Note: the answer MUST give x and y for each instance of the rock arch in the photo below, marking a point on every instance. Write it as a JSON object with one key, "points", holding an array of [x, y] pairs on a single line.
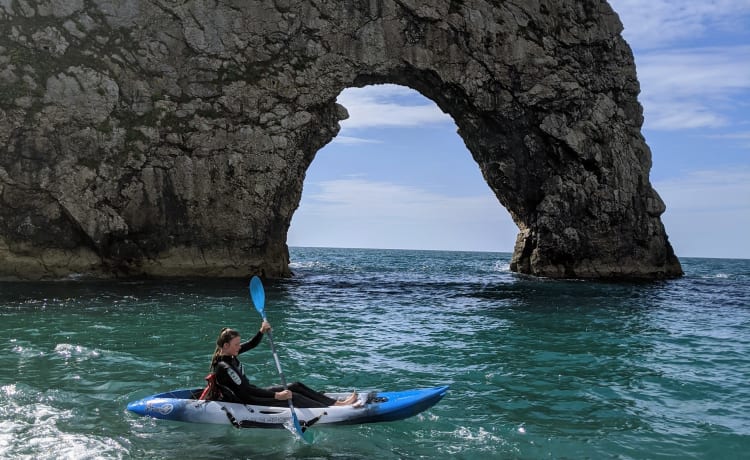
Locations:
{"points": [[172, 137]]}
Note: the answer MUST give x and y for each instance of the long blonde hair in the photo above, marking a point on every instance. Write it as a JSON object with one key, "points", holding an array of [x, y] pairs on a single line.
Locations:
{"points": [[225, 336]]}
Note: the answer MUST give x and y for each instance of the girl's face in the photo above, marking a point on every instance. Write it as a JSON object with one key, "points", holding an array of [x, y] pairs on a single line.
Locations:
{"points": [[231, 348]]}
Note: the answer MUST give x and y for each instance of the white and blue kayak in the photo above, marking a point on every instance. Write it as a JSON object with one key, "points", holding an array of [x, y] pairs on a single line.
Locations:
{"points": [[386, 406]]}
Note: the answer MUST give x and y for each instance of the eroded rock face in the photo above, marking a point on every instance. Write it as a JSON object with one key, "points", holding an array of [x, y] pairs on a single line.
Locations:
{"points": [[171, 137]]}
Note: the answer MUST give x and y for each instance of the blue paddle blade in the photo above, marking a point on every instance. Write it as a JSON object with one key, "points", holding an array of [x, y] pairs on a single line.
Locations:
{"points": [[258, 295], [297, 426]]}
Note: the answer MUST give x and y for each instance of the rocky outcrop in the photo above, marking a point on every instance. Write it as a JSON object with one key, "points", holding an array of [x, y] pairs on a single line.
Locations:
{"points": [[171, 137]]}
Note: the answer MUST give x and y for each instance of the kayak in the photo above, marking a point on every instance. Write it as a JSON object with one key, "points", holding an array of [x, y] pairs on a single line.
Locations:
{"points": [[371, 407]]}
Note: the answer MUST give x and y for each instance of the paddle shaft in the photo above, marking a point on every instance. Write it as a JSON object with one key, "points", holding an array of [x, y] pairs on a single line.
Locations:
{"points": [[283, 381], [276, 359], [258, 296]]}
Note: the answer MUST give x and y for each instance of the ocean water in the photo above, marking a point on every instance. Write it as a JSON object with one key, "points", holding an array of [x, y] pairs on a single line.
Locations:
{"points": [[537, 368]]}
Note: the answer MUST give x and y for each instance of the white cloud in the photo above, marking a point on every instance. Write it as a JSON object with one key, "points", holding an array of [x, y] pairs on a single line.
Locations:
{"points": [[700, 191], [688, 88], [358, 196], [711, 71], [742, 139], [656, 23], [741, 136], [697, 88], [667, 115], [351, 140], [383, 105], [708, 212], [361, 213]]}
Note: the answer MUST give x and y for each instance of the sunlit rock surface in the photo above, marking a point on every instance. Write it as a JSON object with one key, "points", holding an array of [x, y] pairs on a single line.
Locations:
{"points": [[171, 138]]}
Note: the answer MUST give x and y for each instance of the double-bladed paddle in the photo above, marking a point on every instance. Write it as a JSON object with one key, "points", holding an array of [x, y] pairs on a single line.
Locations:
{"points": [[259, 300]]}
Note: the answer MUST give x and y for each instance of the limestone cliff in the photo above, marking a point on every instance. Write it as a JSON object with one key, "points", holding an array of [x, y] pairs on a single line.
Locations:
{"points": [[171, 137]]}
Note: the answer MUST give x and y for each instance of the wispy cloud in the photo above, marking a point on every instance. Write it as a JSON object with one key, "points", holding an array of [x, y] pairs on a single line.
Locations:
{"points": [[696, 88], [671, 115], [741, 136], [710, 71], [351, 140], [659, 23], [388, 105], [357, 212], [689, 88], [357, 196], [708, 212], [707, 190], [740, 139]]}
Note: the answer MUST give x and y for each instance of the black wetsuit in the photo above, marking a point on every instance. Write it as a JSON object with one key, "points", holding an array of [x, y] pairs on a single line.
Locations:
{"points": [[231, 376]]}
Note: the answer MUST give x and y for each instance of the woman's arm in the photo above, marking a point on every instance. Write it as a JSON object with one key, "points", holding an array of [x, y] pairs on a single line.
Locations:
{"points": [[255, 341], [252, 343]]}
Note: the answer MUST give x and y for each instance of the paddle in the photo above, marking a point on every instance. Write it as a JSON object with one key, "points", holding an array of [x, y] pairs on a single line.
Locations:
{"points": [[259, 300]]}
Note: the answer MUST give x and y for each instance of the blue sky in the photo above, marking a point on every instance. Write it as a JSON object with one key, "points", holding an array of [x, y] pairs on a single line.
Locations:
{"points": [[398, 176]]}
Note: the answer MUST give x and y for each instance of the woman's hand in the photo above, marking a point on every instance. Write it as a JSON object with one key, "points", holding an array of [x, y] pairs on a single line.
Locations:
{"points": [[283, 395], [265, 327]]}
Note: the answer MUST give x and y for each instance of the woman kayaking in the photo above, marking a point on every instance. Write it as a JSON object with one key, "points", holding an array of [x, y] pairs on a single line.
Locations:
{"points": [[233, 386]]}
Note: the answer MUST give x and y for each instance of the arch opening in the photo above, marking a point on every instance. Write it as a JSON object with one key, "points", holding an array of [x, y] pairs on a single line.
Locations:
{"points": [[398, 176]]}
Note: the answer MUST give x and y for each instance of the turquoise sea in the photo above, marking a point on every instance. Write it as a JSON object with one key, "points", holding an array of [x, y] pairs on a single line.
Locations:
{"points": [[537, 368]]}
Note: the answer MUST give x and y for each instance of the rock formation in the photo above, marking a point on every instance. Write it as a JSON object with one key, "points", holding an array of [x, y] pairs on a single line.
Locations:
{"points": [[171, 137]]}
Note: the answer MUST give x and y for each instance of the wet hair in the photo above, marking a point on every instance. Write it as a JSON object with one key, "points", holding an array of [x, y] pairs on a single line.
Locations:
{"points": [[225, 336]]}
